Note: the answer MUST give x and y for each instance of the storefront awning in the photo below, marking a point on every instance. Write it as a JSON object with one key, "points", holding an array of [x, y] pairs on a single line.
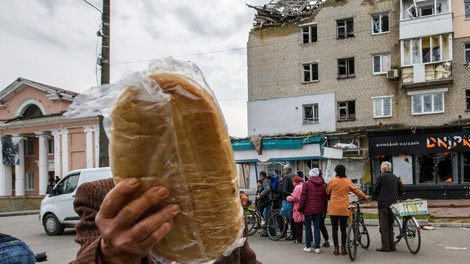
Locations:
{"points": [[305, 152]]}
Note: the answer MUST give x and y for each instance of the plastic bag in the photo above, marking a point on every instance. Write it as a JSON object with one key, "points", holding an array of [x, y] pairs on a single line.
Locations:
{"points": [[286, 208], [166, 128]]}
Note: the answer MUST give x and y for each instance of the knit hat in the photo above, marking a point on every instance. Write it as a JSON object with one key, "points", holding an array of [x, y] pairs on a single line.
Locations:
{"points": [[297, 179], [314, 172], [287, 166]]}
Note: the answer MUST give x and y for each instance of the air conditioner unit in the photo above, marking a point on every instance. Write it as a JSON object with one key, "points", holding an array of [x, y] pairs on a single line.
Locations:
{"points": [[392, 74]]}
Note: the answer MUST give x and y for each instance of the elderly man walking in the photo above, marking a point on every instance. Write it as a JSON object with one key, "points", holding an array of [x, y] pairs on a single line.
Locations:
{"points": [[387, 189]]}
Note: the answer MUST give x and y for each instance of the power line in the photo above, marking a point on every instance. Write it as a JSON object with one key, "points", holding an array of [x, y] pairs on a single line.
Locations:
{"points": [[93, 6]]}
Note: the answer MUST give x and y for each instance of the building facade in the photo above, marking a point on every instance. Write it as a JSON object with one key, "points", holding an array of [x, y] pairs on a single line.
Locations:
{"points": [[396, 68], [38, 143]]}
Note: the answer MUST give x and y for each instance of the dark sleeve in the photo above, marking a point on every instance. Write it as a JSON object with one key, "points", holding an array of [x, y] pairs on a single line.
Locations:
{"points": [[87, 203], [377, 187], [303, 198], [401, 189], [241, 255]]}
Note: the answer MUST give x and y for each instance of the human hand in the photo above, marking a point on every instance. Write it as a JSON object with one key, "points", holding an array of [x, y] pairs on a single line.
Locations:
{"points": [[126, 238]]}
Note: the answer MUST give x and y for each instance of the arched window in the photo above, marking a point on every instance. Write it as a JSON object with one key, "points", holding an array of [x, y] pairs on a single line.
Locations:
{"points": [[32, 111]]}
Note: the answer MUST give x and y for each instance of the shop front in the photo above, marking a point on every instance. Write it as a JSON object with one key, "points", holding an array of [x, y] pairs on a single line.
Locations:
{"points": [[432, 163]]}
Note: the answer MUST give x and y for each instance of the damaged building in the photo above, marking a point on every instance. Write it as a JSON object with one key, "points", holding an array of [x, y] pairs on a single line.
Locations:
{"points": [[359, 82]]}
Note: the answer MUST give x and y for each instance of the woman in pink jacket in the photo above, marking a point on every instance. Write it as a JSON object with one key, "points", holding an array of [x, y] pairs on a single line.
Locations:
{"points": [[298, 216]]}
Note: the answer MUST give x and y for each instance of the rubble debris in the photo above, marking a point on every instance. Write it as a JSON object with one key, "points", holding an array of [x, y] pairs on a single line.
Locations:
{"points": [[278, 12]]}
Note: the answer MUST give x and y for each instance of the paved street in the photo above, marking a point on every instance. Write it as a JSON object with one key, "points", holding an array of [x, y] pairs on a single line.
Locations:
{"points": [[443, 245]]}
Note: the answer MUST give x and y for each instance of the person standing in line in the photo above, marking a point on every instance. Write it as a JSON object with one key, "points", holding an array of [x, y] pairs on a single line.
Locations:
{"points": [[264, 198], [287, 187], [323, 229], [338, 189], [313, 203], [296, 215], [386, 190]]}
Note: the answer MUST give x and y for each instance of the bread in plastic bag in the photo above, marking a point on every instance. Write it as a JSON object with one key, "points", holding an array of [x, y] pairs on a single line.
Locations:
{"points": [[166, 128]]}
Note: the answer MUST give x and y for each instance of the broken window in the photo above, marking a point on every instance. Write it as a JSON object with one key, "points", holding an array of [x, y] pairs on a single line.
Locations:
{"points": [[346, 68], [380, 23], [426, 50], [381, 63], [347, 110], [345, 28], [382, 106], [310, 72], [427, 103], [310, 113], [467, 99], [419, 8], [309, 34]]}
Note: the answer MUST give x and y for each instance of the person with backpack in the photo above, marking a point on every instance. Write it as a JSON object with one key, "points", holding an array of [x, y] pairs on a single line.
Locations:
{"points": [[264, 198], [286, 187]]}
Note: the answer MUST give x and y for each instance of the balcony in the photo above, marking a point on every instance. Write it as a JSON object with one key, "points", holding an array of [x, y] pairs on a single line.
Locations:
{"points": [[425, 17], [431, 74]]}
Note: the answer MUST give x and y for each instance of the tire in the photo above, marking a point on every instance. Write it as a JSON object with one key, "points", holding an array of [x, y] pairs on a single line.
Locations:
{"points": [[397, 229], [252, 221], [52, 225], [363, 235], [275, 226], [412, 235], [351, 241]]}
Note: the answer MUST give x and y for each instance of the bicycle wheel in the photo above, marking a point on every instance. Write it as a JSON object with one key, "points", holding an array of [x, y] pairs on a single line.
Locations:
{"points": [[363, 234], [351, 241], [275, 226], [397, 229], [412, 234], [252, 221]]}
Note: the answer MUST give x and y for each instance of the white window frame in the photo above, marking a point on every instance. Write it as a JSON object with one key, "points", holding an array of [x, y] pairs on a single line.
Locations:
{"points": [[348, 116], [384, 63], [379, 102], [303, 32], [29, 181], [379, 16], [315, 115], [348, 68], [466, 56], [346, 34], [309, 71], [445, 53], [421, 96], [466, 9]]}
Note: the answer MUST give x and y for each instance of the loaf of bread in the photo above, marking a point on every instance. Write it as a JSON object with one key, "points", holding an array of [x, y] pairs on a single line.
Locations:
{"points": [[170, 132]]}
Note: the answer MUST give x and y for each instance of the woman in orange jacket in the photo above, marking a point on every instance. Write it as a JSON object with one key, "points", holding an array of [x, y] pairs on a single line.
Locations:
{"points": [[338, 189]]}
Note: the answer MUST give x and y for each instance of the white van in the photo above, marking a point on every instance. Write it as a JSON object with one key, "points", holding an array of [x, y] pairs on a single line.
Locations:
{"points": [[57, 210]]}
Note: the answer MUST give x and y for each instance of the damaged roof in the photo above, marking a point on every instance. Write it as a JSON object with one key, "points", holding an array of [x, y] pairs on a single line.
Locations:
{"points": [[278, 12]]}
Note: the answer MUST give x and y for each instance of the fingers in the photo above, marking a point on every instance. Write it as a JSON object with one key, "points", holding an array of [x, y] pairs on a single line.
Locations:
{"points": [[134, 210], [116, 198], [154, 227]]}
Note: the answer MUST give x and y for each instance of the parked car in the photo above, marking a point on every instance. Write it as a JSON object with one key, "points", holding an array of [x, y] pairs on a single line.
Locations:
{"points": [[57, 211]]}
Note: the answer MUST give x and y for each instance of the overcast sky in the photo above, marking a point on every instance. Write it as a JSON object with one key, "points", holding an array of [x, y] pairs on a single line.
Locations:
{"points": [[54, 42]]}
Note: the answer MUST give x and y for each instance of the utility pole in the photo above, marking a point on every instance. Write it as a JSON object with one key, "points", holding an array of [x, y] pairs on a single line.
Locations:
{"points": [[104, 63]]}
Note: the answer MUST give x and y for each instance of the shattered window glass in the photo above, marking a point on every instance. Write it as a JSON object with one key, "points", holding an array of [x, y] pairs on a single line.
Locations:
{"points": [[438, 102], [417, 104], [310, 113], [345, 28], [467, 9], [310, 72], [467, 99], [467, 53], [309, 34], [346, 68], [428, 103], [347, 110]]}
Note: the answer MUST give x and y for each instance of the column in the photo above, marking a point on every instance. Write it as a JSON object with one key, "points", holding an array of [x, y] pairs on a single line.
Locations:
{"points": [[89, 146], [65, 151], [43, 154], [5, 176], [97, 146], [19, 167], [57, 163]]}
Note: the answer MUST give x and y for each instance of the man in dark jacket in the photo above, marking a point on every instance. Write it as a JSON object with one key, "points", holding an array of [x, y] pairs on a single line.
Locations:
{"points": [[313, 202], [287, 187], [386, 191]]}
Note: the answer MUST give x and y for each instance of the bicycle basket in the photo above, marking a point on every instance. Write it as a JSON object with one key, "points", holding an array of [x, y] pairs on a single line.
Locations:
{"points": [[410, 207]]}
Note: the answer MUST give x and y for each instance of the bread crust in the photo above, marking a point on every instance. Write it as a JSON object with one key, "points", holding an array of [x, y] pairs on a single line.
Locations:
{"points": [[180, 141]]}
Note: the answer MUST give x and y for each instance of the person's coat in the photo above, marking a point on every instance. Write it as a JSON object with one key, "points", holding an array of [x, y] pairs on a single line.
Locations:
{"points": [[313, 198], [295, 199]]}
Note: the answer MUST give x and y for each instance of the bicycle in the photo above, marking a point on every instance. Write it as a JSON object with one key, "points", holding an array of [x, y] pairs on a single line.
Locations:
{"points": [[276, 225], [357, 230], [253, 219], [409, 229]]}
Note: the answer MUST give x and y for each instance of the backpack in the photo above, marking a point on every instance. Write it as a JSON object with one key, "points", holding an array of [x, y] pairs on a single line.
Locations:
{"points": [[274, 184]]}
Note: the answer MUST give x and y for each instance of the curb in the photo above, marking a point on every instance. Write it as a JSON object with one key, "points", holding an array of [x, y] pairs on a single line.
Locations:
{"points": [[17, 213]]}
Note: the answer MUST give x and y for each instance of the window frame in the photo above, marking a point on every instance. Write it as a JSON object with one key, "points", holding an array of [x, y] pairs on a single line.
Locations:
{"points": [[50, 146], [347, 33], [466, 9], [379, 16], [466, 53], [419, 97], [310, 71], [383, 66], [347, 107], [311, 38], [28, 147], [382, 100], [29, 181], [347, 68], [315, 114], [467, 99]]}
